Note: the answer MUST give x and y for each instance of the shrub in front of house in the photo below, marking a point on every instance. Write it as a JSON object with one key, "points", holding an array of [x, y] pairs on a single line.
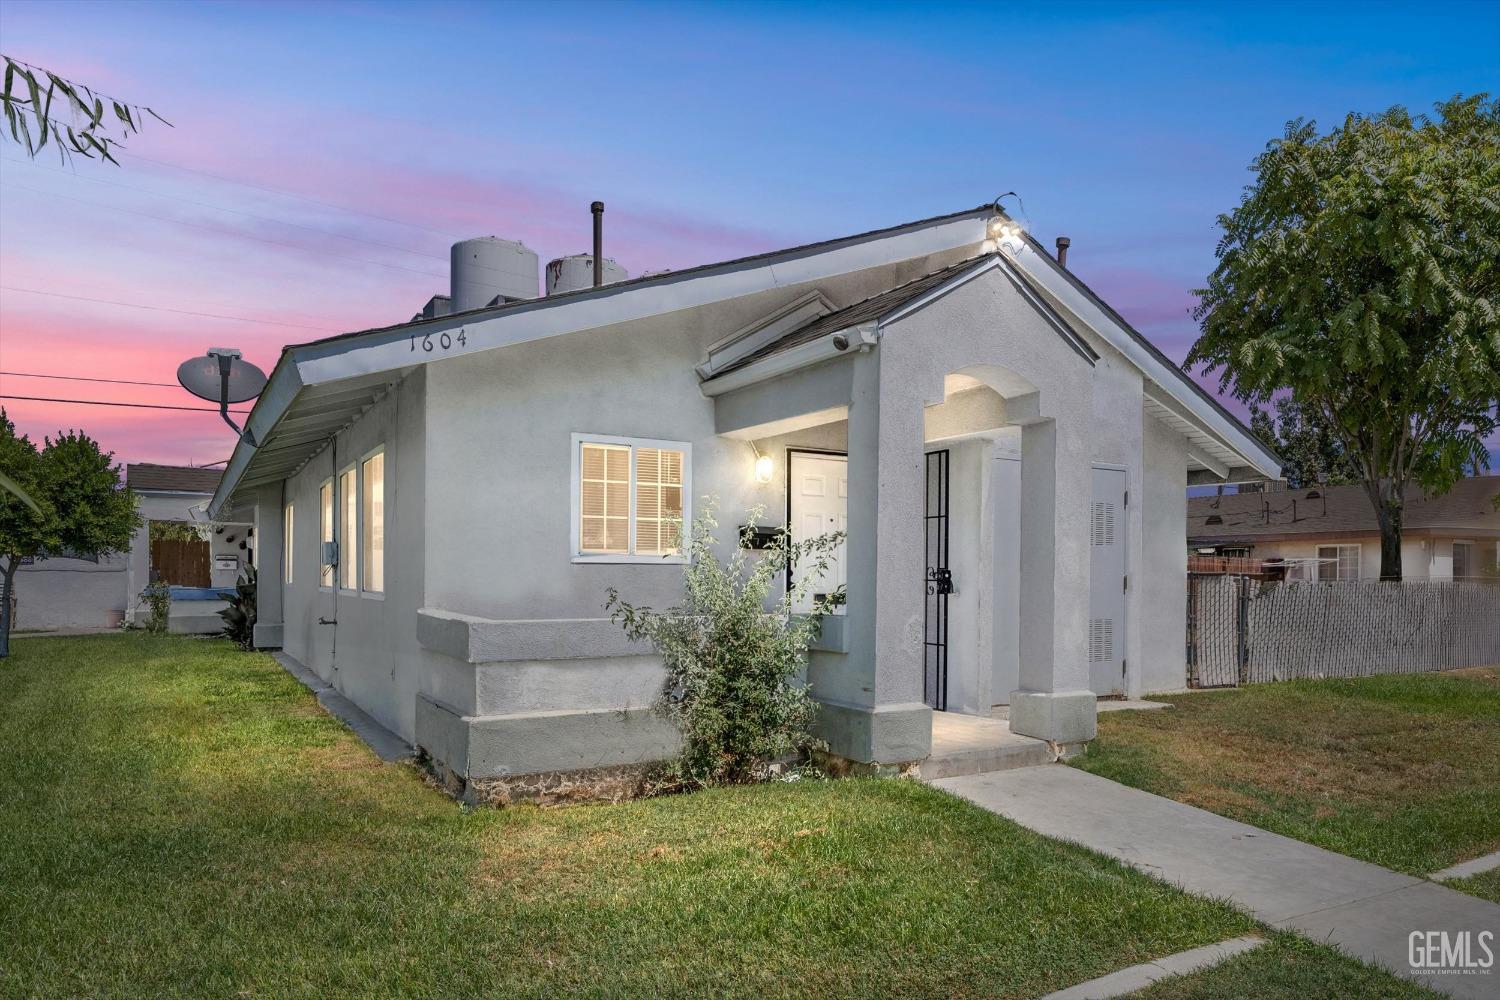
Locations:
{"points": [[239, 614], [158, 598], [734, 656]]}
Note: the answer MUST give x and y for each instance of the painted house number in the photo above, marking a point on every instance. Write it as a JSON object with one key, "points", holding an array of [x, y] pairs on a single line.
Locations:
{"points": [[445, 340]]}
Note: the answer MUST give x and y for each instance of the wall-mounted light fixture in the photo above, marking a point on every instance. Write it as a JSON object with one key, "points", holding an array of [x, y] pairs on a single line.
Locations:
{"points": [[1003, 229], [764, 467]]}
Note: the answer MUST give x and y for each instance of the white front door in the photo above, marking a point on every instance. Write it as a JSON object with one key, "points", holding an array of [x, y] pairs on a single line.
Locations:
{"points": [[1107, 583], [818, 502]]}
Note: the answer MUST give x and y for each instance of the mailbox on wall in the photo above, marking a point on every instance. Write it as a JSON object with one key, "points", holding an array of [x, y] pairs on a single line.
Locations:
{"points": [[229, 563]]}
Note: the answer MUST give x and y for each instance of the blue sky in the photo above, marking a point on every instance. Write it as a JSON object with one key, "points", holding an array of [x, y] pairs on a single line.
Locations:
{"points": [[325, 155]]}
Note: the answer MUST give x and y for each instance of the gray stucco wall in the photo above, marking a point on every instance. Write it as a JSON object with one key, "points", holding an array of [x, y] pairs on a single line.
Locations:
{"points": [[1161, 584], [69, 593], [372, 655]]}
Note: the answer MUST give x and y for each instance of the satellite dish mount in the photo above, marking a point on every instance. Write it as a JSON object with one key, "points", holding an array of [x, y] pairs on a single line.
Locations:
{"points": [[223, 376]]}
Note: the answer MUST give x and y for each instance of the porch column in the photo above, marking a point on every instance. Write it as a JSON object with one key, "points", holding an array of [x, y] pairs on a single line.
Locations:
{"points": [[1054, 701], [871, 707], [268, 551]]}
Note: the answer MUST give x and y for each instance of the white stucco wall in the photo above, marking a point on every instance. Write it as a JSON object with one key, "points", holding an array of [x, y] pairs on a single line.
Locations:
{"points": [[70, 593]]}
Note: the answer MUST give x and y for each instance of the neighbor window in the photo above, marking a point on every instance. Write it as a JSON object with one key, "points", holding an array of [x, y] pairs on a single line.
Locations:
{"points": [[630, 498], [325, 532], [348, 530], [372, 523], [1338, 562], [288, 521], [1463, 560]]}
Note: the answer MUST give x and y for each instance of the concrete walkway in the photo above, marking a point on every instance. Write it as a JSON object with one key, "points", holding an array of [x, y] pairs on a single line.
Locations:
{"points": [[386, 744], [1367, 911]]}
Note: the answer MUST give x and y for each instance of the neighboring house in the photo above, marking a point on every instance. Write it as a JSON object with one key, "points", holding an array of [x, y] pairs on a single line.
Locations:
{"points": [[99, 591], [441, 505], [1329, 532], [198, 570]]}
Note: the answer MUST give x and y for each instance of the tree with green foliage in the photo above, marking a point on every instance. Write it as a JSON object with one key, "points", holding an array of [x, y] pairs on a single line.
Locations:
{"points": [[1360, 274], [34, 99], [78, 505], [1311, 454]]}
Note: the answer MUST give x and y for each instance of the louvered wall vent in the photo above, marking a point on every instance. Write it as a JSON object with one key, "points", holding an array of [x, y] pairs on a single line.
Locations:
{"points": [[1102, 524], [1101, 640]]}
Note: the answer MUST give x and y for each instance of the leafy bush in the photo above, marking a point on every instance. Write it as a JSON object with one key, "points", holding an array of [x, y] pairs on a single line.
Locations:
{"points": [[239, 616], [734, 657], [158, 597]]}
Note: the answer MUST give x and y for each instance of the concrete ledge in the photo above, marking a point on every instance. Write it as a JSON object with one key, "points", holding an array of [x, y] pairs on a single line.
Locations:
{"points": [[1056, 716], [885, 734], [491, 640], [1464, 869], [833, 635], [264, 637], [494, 746], [387, 745]]}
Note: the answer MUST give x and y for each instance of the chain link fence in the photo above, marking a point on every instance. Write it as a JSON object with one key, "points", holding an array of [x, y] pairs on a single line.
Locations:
{"points": [[1246, 631]]}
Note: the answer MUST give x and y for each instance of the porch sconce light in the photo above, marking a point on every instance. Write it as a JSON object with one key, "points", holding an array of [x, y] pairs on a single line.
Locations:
{"points": [[763, 466]]}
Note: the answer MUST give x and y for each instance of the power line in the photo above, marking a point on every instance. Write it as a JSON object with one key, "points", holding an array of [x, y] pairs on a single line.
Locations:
{"points": [[135, 406], [83, 378], [222, 232], [224, 208], [168, 309]]}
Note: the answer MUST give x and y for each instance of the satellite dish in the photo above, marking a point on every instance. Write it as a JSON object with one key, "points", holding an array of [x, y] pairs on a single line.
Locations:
{"points": [[205, 377], [222, 376]]}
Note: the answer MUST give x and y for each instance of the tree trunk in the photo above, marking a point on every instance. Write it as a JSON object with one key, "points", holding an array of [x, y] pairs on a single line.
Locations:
{"points": [[7, 599], [1389, 509]]}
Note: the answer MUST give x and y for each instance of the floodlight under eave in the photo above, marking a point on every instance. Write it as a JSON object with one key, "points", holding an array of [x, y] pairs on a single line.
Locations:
{"points": [[222, 376]]}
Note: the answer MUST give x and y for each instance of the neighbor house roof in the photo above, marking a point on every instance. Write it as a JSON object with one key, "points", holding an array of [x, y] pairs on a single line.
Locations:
{"points": [[1338, 512], [151, 478], [318, 387]]}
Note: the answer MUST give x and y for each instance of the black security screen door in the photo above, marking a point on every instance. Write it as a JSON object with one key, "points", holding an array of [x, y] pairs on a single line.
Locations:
{"points": [[938, 581]]}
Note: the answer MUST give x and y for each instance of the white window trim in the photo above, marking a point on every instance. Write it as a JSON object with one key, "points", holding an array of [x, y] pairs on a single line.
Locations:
{"points": [[359, 517], [288, 540], [1337, 556], [332, 483], [338, 529], [575, 542]]}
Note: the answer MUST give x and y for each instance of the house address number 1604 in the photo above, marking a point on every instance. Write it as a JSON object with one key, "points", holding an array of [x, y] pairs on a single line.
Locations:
{"points": [[445, 340]]}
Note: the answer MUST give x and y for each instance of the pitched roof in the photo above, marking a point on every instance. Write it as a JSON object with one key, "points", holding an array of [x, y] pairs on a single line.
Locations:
{"points": [[1336, 511], [171, 478], [863, 311]]}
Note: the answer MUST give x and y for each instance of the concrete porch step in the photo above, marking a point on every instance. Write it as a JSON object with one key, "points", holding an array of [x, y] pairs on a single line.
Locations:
{"points": [[969, 744]]}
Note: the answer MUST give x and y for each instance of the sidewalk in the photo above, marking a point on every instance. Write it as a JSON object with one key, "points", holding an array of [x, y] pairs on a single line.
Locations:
{"points": [[1367, 911]]}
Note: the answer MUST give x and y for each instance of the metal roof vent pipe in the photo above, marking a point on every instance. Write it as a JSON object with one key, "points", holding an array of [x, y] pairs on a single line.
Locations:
{"points": [[1062, 251], [598, 209]]}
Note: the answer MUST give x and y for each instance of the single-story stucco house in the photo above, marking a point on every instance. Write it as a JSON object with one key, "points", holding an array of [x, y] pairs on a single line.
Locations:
{"points": [[1330, 533], [442, 504]]}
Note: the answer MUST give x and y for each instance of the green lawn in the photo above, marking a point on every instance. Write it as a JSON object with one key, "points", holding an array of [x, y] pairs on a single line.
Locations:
{"points": [[1402, 771], [180, 819], [1288, 968]]}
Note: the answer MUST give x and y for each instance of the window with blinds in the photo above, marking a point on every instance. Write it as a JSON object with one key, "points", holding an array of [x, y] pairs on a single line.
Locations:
{"points": [[630, 497], [325, 532], [348, 529]]}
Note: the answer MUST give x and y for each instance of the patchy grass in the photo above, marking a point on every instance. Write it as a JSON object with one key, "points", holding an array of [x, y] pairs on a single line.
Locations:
{"points": [[1485, 885], [1402, 770], [1288, 968], [178, 819]]}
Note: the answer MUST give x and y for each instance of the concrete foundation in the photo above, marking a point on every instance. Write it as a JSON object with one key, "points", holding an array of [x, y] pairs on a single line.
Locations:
{"points": [[886, 734], [1055, 716]]}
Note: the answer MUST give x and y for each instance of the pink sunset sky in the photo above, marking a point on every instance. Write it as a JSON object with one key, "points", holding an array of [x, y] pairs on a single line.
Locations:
{"points": [[325, 156]]}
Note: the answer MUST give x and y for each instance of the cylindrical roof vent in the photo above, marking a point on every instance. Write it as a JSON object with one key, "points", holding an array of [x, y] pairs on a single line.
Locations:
{"points": [[567, 274], [489, 268]]}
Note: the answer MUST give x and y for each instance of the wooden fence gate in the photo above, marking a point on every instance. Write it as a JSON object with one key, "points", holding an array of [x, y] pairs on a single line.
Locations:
{"points": [[181, 561], [1245, 631]]}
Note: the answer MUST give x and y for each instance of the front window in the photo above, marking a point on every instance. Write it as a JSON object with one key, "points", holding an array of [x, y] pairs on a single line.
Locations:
{"points": [[1338, 562], [1463, 560], [288, 520], [348, 530], [372, 523], [630, 498]]}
